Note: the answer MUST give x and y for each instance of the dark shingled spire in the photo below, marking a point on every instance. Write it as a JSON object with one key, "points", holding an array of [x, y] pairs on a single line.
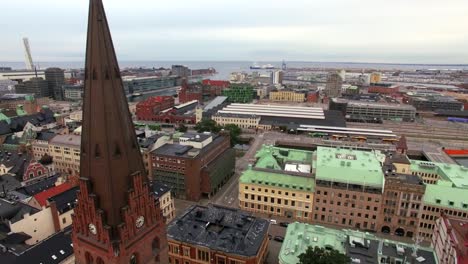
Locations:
{"points": [[109, 148]]}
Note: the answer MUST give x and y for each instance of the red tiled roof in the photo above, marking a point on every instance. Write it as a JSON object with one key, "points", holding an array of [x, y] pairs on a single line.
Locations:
{"points": [[456, 151], [42, 197]]}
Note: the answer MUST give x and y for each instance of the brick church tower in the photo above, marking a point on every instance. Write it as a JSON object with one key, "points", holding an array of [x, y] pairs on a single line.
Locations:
{"points": [[117, 219]]}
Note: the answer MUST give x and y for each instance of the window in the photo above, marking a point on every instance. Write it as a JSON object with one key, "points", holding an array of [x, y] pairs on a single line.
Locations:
{"points": [[203, 255], [64, 220]]}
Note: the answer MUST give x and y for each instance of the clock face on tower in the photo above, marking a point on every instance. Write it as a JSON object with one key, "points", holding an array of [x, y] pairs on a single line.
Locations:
{"points": [[139, 221], [92, 229]]}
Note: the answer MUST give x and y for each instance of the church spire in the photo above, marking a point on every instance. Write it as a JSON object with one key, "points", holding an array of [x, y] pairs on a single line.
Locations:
{"points": [[110, 152], [117, 219]]}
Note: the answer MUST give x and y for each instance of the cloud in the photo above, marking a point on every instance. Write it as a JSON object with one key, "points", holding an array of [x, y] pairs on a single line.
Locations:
{"points": [[334, 30]]}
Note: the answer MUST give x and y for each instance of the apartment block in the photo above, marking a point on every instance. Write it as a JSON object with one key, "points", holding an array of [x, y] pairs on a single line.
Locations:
{"points": [[450, 241], [65, 151]]}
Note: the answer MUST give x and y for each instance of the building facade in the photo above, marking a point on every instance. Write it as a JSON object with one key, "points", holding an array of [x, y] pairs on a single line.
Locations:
{"points": [[287, 96], [216, 234], [150, 108], [239, 93], [349, 188], [450, 240], [280, 183], [55, 78], [197, 166], [36, 86], [65, 152], [333, 86], [163, 194]]}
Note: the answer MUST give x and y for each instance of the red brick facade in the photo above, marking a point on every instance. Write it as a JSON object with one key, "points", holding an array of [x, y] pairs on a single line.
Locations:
{"points": [[34, 170], [216, 83], [312, 97], [151, 107], [171, 117], [195, 181], [146, 243], [184, 253], [383, 89]]}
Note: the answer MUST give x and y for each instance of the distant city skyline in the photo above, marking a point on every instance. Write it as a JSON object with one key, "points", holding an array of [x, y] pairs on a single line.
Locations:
{"points": [[207, 30]]}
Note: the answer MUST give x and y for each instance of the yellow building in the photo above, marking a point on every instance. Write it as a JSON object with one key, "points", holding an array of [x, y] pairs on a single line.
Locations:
{"points": [[287, 96], [280, 184], [242, 121], [65, 151], [375, 77]]}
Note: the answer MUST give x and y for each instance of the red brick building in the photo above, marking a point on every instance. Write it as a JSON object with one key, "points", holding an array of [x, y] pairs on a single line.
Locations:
{"points": [[216, 234], [150, 108], [312, 97], [198, 165], [216, 83], [383, 88]]}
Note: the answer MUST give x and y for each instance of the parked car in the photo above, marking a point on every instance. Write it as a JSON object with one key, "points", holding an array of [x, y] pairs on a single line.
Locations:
{"points": [[279, 238], [273, 221], [284, 224]]}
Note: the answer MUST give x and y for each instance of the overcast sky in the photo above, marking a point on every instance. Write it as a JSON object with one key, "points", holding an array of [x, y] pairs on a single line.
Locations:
{"points": [[406, 31]]}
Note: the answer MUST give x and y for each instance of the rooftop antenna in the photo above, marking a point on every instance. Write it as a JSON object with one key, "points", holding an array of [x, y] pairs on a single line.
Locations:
{"points": [[27, 51]]}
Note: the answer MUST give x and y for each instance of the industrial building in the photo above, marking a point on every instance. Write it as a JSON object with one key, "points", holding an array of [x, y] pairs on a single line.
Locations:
{"points": [[432, 101], [266, 117], [216, 234], [361, 111], [145, 84], [360, 247], [280, 183]]}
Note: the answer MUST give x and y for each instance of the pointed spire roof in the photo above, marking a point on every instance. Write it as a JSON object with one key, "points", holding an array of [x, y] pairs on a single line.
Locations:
{"points": [[402, 145], [109, 148]]}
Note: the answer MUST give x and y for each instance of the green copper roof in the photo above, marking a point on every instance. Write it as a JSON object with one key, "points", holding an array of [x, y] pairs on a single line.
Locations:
{"points": [[5, 118], [300, 236], [454, 173], [278, 180], [270, 157], [444, 194], [350, 166]]}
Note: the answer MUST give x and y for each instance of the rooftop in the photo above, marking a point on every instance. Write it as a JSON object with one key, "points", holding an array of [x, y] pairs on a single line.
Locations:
{"points": [[215, 102], [361, 247], [274, 111], [66, 200], [186, 151], [270, 157], [443, 194], [350, 166], [159, 189], [66, 140], [14, 211], [457, 174], [220, 228], [42, 197], [278, 180]]}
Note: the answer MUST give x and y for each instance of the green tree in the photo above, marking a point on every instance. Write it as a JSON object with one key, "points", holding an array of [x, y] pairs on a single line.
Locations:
{"points": [[207, 125], [234, 133], [182, 128], [154, 127], [320, 255]]}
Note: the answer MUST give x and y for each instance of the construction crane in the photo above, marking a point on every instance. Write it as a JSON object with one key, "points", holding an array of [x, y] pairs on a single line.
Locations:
{"points": [[27, 51]]}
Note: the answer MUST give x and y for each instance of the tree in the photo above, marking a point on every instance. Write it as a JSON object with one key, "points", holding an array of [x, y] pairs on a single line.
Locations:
{"points": [[154, 127], [207, 125], [182, 128], [320, 255], [234, 132]]}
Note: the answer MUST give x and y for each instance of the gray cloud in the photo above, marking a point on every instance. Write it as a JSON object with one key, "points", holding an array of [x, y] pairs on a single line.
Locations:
{"points": [[417, 31]]}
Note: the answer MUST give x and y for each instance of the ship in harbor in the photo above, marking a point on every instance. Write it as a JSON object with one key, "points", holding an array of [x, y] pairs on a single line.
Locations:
{"points": [[255, 66]]}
